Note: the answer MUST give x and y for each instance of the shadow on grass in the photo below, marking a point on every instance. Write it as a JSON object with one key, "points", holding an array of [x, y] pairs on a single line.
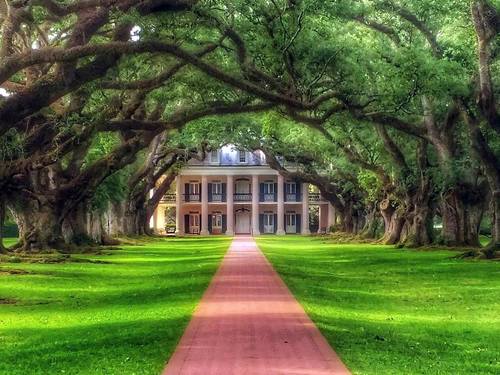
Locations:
{"points": [[388, 311], [119, 318], [77, 349]]}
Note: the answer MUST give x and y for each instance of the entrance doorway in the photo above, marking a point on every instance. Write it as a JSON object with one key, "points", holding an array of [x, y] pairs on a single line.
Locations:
{"points": [[291, 223], [268, 223], [242, 222], [194, 223]]}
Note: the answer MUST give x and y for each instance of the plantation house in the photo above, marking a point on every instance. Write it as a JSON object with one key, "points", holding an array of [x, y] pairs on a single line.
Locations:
{"points": [[235, 192]]}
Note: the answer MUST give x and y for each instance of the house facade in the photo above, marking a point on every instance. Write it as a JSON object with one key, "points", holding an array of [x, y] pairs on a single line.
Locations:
{"points": [[235, 192]]}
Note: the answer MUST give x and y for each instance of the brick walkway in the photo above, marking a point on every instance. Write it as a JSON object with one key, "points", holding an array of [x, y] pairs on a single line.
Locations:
{"points": [[249, 323]]}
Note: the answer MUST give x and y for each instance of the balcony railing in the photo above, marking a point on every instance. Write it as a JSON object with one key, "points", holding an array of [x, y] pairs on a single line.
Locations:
{"points": [[292, 198], [242, 197], [169, 197], [315, 197], [268, 197], [192, 198], [217, 198]]}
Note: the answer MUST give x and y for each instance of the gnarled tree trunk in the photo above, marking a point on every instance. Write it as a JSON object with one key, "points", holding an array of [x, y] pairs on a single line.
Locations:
{"points": [[495, 222], [40, 225], [372, 223], [394, 220], [347, 220], [3, 250], [420, 220], [462, 210]]}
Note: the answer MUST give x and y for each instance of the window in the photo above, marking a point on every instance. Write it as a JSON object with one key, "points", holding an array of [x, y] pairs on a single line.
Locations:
{"points": [[194, 188], [214, 156], [242, 156], [242, 186], [291, 220], [269, 219], [217, 221], [291, 188], [216, 188], [268, 187]]}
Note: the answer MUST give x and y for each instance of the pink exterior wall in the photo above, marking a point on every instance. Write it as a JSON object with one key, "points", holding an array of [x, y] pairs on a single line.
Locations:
{"points": [[196, 207]]}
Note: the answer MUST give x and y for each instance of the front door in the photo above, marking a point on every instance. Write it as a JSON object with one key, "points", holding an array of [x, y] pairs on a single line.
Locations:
{"points": [[242, 223], [194, 223], [268, 223], [291, 223], [216, 223]]}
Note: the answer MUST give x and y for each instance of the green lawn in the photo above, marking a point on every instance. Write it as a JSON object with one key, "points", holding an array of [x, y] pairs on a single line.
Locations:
{"points": [[388, 311], [124, 316]]}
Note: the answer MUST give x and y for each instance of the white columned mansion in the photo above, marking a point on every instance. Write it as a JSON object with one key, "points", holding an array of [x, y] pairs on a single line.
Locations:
{"points": [[235, 192]]}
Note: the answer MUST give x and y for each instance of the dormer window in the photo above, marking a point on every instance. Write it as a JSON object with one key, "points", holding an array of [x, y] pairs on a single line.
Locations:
{"points": [[214, 156], [242, 155]]}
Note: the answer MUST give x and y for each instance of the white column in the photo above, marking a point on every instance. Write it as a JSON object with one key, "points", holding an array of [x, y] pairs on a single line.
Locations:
{"points": [[320, 214], [280, 230], [331, 216], [179, 230], [204, 206], [305, 209], [230, 205], [155, 221], [255, 205]]}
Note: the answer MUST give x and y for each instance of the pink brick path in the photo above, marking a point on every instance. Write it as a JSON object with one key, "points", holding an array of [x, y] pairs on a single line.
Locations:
{"points": [[249, 323]]}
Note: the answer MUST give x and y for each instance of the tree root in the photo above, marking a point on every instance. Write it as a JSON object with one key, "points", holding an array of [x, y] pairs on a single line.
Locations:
{"points": [[344, 237], [490, 252]]}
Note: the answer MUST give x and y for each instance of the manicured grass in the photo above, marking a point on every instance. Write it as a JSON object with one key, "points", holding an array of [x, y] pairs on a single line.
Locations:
{"points": [[388, 311], [124, 316]]}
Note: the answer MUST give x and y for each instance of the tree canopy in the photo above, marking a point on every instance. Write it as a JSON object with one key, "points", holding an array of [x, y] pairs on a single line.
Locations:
{"points": [[388, 106]]}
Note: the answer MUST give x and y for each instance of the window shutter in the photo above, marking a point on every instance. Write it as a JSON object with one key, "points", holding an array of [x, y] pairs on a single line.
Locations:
{"points": [[286, 189], [299, 223], [186, 192], [199, 190], [199, 220], [210, 192], [275, 191], [224, 185], [224, 223], [261, 189], [299, 191], [275, 222], [186, 223], [209, 223], [261, 223]]}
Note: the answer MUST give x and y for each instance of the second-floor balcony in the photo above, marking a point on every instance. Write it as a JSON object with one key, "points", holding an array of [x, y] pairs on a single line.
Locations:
{"points": [[315, 198], [192, 197], [292, 197], [268, 197], [169, 198], [217, 197], [242, 197]]}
